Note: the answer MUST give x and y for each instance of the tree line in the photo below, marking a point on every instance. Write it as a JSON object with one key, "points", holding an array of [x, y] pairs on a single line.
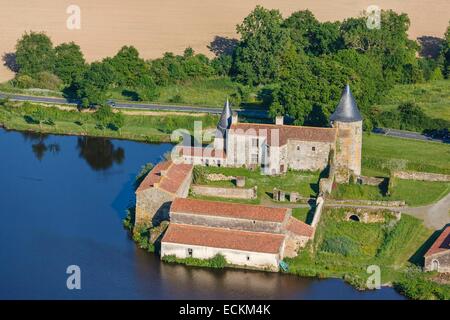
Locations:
{"points": [[298, 65]]}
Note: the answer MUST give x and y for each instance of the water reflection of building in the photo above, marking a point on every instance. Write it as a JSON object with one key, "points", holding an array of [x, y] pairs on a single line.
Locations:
{"points": [[198, 283]]}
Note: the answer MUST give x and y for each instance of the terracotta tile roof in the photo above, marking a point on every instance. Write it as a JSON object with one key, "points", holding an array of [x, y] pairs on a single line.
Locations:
{"points": [[223, 238], [299, 228], [230, 210], [441, 244], [287, 132], [200, 152], [167, 176]]}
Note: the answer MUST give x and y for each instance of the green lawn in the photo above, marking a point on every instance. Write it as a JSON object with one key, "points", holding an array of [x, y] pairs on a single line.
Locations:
{"points": [[136, 127], [380, 154], [433, 97], [389, 245], [304, 182]]}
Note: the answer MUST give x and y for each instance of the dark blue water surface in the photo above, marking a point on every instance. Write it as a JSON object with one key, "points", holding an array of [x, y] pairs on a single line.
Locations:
{"points": [[62, 202]]}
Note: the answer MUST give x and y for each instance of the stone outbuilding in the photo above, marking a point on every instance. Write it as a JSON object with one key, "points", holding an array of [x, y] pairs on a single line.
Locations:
{"points": [[437, 257], [246, 235], [160, 187]]}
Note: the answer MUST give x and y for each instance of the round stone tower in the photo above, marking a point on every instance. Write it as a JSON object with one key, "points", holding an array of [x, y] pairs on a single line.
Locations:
{"points": [[348, 121]]}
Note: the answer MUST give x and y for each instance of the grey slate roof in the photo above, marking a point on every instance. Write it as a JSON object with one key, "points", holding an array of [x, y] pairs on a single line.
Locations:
{"points": [[225, 118], [347, 110]]}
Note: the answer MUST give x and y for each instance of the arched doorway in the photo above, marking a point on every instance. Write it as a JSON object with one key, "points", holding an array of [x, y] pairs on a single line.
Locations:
{"points": [[354, 217], [434, 265]]}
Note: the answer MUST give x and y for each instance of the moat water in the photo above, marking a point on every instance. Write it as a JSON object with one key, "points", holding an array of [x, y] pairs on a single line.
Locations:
{"points": [[62, 202]]}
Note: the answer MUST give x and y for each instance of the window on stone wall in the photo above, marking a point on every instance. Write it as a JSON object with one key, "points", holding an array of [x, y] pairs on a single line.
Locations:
{"points": [[254, 158], [189, 252], [254, 142], [248, 258], [313, 148], [298, 148]]}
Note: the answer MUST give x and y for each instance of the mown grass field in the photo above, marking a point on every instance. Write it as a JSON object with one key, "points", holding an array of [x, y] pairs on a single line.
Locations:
{"points": [[390, 245], [136, 127], [380, 154], [433, 97]]}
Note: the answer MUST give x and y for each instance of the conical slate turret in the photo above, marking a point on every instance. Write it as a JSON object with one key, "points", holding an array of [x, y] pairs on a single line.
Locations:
{"points": [[225, 118], [347, 110]]}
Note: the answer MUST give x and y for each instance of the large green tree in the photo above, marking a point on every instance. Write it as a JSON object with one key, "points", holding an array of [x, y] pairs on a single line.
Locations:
{"points": [[96, 80], [310, 87], [130, 70], [34, 53], [69, 62], [311, 36], [390, 43], [263, 39], [445, 53]]}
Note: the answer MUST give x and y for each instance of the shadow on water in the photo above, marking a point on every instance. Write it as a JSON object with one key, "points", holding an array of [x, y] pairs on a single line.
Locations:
{"points": [[99, 153]]}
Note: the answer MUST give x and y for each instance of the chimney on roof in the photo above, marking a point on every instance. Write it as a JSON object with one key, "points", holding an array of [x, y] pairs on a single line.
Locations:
{"points": [[279, 120], [163, 173], [234, 118]]}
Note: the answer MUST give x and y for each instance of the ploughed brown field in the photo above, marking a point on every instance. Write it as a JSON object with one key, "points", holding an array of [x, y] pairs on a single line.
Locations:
{"points": [[157, 26]]}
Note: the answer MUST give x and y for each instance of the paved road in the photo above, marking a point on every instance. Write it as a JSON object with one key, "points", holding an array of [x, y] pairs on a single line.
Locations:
{"points": [[405, 134], [138, 106], [244, 112]]}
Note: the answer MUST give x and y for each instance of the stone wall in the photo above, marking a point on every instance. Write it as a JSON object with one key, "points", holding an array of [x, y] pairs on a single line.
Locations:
{"points": [[227, 223], [367, 203], [307, 155], [235, 193], [370, 181], [318, 212], [152, 206], [422, 176], [442, 259]]}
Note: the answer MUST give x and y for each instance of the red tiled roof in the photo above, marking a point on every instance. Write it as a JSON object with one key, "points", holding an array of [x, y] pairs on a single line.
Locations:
{"points": [[200, 152], [223, 238], [287, 132], [226, 209], [299, 228], [441, 244], [170, 181]]}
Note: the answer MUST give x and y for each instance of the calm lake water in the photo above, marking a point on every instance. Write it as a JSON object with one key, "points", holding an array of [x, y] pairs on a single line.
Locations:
{"points": [[62, 202]]}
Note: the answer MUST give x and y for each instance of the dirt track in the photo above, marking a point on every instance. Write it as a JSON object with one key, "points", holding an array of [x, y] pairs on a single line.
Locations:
{"points": [[157, 26]]}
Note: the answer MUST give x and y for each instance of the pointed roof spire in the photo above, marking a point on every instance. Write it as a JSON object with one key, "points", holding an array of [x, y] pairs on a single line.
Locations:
{"points": [[347, 110], [225, 118]]}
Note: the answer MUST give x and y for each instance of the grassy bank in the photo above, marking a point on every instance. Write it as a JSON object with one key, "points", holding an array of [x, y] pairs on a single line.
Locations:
{"points": [[433, 97], [414, 193], [135, 127], [344, 249]]}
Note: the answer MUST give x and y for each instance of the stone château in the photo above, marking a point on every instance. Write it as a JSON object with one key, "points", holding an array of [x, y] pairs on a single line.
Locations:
{"points": [[247, 235]]}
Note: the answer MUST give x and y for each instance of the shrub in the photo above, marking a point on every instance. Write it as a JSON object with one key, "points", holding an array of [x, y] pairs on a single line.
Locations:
{"points": [[218, 261], [145, 169], [341, 245], [417, 285], [199, 175]]}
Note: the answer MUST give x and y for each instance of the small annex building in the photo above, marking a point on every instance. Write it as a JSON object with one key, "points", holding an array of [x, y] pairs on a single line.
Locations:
{"points": [[247, 235], [160, 187], [437, 258]]}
